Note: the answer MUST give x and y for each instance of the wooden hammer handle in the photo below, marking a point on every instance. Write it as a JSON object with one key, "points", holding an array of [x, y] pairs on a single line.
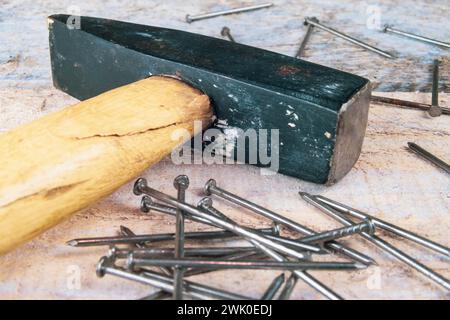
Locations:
{"points": [[65, 161]]}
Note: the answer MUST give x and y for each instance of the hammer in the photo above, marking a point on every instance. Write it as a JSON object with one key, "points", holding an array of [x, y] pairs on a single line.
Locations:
{"points": [[140, 84]]}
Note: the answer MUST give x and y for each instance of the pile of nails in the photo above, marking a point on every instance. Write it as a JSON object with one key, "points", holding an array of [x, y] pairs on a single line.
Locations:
{"points": [[168, 268]]}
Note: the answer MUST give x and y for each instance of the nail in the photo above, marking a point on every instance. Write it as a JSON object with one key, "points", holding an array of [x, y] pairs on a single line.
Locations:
{"points": [[235, 256], [272, 290], [388, 28], [435, 110], [208, 15], [348, 38], [429, 156], [212, 293], [141, 185], [132, 262], [288, 287], [307, 278], [386, 225], [196, 291], [191, 252], [181, 183], [108, 241], [147, 204], [212, 188], [206, 205], [306, 37], [366, 226], [225, 32], [407, 104], [127, 232], [381, 243]]}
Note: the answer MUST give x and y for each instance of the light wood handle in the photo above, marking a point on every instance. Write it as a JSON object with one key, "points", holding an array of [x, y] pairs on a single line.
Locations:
{"points": [[65, 161]]}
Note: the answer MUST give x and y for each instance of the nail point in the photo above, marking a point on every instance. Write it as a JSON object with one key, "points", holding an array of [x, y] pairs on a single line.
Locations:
{"points": [[72, 243]]}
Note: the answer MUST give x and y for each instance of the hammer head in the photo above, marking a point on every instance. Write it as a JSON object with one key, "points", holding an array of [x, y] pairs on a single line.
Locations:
{"points": [[320, 113]]}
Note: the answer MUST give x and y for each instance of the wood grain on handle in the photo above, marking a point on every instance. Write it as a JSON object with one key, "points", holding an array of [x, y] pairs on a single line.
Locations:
{"points": [[65, 161]]}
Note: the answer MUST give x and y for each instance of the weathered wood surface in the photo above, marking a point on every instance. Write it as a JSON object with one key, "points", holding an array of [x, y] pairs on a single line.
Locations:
{"points": [[387, 181], [280, 28]]}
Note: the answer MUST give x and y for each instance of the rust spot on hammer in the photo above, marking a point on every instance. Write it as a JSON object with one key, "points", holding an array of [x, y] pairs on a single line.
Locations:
{"points": [[288, 70]]}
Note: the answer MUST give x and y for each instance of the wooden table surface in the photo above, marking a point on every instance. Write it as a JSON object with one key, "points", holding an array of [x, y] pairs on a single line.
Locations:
{"points": [[388, 181]]}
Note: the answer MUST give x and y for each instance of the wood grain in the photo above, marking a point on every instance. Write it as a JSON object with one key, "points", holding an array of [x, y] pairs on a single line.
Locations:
{"points": [[67, 160]]}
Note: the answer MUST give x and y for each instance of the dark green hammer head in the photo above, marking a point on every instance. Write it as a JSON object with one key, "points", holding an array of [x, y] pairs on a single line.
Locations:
{"points": [[320, 113]]}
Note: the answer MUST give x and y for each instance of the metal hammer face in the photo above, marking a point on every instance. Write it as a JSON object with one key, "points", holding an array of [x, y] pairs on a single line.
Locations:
{"points": [[320, 113]]}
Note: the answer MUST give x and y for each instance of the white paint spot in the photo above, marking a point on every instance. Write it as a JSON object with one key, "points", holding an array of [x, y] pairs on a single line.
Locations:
{"points": [[233, 97], [222, 122], [292, 125], [292, 114]]}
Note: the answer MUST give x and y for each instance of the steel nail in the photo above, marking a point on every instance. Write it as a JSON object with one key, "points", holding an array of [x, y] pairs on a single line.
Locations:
{"points": [[365, 226], [273, 288], [127, 232], [387, 247], [388, 28], [385, 225], [141, 185], [307, 278], [288, 287], [148, 204], [108, 241], [348, 38], [206, 204], [181, 183], [190, 286], [429, 156], [407, 104], [202, 16], [306, 37], [190, 252], [226, 32], [196, 291], [133, 262], [212, 188], [234, 256], [435, 110]]}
